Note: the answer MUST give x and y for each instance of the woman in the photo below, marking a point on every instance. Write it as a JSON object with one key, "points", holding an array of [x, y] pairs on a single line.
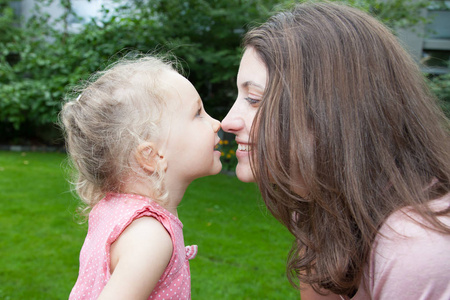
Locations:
{"points": [[335, 123]]}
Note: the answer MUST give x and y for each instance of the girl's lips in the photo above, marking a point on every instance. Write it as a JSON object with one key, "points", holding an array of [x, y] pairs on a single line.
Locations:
{"points": [[216, 146]]}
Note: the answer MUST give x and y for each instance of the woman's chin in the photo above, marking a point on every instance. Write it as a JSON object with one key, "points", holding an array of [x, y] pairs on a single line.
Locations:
{"points": [[244, 173]]}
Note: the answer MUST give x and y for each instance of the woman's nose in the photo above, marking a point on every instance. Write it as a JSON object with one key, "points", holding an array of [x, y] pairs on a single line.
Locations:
{"points": [[232, 122]]}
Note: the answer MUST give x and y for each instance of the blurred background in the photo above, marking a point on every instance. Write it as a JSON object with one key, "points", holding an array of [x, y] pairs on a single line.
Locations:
{"points": [[48, 46]]}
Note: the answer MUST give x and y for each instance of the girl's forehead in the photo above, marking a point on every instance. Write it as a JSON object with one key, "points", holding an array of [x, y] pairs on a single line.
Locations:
{"points": [[179, 89]]}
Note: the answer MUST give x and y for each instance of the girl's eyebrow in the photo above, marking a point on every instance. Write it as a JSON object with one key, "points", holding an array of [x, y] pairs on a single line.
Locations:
{"points": [[197, 104]]}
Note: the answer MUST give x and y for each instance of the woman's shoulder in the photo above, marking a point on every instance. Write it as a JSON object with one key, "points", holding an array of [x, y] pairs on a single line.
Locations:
{"points": [[407, 222], [409, 258]]}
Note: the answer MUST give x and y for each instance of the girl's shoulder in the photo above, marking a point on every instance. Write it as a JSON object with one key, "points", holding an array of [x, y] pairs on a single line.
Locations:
{"points": [[130, 204], [116, 211]]}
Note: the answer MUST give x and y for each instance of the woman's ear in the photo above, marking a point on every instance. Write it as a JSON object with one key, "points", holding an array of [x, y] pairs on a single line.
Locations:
{"points": [[149, 158]]}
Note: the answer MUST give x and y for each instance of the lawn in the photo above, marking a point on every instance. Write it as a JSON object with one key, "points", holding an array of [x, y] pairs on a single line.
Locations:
{"points": [[242, 249]]}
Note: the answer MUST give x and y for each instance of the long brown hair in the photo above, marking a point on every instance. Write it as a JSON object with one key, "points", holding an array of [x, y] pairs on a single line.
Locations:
{"points": [[347, 115]]}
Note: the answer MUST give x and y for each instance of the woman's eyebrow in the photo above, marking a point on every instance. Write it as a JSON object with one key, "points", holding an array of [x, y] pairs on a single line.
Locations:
{"points": [[252, 83]]}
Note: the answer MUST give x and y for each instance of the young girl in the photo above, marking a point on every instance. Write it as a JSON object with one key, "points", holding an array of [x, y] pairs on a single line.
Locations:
{"points": [[138, 135], [351, 153]]}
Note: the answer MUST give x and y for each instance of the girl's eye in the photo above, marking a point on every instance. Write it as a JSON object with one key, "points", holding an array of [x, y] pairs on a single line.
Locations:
{"points": [[252, 100], [199, 111]]}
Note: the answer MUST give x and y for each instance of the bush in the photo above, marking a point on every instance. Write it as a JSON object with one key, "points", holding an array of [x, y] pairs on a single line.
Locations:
{"points": [[39, 64], [228, 154], [440, 86]]}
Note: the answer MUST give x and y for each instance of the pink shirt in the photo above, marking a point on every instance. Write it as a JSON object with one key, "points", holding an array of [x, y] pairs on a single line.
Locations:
{"points": [[107, 220], [409, 261]]}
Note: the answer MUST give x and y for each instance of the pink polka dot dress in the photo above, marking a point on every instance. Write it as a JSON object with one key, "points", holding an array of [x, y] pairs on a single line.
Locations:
{"points": [[107, 220]]}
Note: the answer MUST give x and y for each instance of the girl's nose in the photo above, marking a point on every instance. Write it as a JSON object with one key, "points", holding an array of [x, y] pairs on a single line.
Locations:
{"points": [[215, 125]]}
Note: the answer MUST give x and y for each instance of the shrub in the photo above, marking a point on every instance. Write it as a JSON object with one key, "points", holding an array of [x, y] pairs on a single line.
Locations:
{"points": [[39, 64], [440, 85], [228, 154]]}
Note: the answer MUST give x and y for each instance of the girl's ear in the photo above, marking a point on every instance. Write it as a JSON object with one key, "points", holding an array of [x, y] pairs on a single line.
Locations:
{"points": [[149, 158]]}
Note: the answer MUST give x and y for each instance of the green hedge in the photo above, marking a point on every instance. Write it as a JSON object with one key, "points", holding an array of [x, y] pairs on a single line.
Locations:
{"points": [[39, 65]]}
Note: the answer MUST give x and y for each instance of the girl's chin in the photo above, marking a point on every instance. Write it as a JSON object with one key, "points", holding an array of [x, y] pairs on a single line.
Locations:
{"points": [[216, 168]]}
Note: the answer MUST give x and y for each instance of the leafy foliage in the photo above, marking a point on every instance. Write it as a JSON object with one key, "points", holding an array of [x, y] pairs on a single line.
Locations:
{"points": [[205, 35], [42, 60], [440, 85]]}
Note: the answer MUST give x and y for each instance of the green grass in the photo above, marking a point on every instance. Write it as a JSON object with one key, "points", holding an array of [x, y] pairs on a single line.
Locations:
{"points": [[242, 249]]}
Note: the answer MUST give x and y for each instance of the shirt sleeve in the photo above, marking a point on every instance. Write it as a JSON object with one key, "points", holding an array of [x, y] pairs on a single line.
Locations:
{"points": [[410, 261]]}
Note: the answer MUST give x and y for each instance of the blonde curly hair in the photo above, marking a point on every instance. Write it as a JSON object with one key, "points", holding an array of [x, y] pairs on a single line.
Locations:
{"points": [[114, 111]]}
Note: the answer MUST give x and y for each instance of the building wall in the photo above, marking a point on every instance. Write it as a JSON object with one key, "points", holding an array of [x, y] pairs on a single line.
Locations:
{"points": [[83, 8], [430, 44]]}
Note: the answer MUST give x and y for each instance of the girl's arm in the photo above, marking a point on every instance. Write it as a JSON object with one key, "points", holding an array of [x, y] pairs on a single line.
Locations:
{"points": [[138, 259]]}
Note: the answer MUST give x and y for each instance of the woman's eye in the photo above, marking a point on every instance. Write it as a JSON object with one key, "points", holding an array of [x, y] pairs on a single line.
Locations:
{"points": [[199, 111], [252, 100]]}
